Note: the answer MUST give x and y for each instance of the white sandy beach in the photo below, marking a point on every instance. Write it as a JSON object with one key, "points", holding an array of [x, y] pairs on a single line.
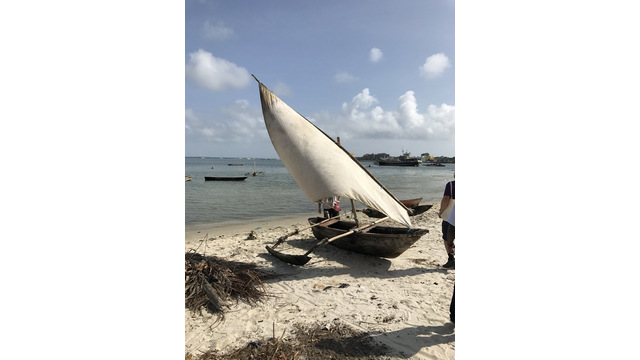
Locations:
{"points": [[401, 302]]}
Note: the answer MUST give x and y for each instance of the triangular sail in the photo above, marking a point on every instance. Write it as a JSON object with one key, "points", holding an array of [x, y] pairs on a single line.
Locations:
{"points": [[321, 167]]}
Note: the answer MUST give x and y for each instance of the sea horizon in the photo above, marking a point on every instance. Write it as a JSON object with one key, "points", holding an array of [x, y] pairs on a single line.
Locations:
{"points": [[273, 193]]}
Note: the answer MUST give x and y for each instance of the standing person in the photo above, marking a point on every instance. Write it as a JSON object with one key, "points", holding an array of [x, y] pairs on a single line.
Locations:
{"points": [[446, 204], [451, 229], [331, 206], [451, 237]]}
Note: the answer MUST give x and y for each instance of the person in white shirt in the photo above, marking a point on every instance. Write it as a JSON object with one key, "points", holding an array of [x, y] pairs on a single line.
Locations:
{"points": [[447, 202], [330, 205], [451, 236]]}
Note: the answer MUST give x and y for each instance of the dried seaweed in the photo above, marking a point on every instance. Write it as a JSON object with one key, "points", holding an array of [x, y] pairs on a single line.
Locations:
{"points": [[211, 282], [319, 341]]}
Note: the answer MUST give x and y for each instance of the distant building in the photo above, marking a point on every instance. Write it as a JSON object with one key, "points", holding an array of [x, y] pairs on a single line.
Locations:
{"points": [[425, 157]]}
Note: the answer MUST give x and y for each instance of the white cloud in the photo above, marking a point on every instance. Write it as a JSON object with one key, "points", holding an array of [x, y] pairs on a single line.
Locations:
{"points": [[362, 118], [409, 116], [375, 55], [363, 100], [214, 73], [442, 120], [243, 120], [217, 32], [435, 65], [240, 122], [189, 118], [344, 77]]}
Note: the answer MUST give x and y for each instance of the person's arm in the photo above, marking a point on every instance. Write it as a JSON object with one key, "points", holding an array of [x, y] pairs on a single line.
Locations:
{"points": [[443, 204]]}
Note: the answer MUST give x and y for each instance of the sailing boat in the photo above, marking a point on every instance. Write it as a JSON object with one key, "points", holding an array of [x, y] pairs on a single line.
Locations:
{"points": [[318, 164], [255, 171]]}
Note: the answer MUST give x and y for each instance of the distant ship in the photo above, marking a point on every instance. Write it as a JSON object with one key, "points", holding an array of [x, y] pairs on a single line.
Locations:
{"points": [[404, 160], [433, 164]]}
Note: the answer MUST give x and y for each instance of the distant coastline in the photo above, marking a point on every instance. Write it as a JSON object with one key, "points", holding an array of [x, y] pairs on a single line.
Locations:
{"points": [[366, 157], [425, 157], [229, 158]]}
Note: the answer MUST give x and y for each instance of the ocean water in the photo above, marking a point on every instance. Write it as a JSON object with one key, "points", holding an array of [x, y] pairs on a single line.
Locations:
{"points": [[274, 193]]}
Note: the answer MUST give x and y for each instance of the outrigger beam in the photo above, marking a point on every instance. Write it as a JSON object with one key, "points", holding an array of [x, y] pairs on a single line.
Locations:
{"points": [[297, 231], [303, 259]]}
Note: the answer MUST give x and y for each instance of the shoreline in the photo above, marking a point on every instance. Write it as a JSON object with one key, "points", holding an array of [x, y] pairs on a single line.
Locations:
{"points": [[233, 227], [401, 302]]}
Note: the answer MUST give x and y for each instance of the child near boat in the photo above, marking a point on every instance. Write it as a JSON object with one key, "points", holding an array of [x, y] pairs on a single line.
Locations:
{"points": [[330, 205]]}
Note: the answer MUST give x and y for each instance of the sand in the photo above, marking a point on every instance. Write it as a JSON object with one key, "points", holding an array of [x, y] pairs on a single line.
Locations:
{"points": [[401, 302]]}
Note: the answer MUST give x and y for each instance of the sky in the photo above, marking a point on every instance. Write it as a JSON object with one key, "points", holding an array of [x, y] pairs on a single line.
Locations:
{"points": [[378, 74]]}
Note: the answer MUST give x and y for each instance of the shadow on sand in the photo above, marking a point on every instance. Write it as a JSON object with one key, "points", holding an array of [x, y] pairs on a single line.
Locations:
{"points": [[413, 339], [354, 264], [406, 342]]}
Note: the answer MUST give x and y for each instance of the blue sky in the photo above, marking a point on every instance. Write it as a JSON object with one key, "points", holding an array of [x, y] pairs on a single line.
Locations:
{"points": [[378, 74]]}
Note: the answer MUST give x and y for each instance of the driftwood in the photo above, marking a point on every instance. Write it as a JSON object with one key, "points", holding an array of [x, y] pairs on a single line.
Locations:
{"points": [[211, 282]]}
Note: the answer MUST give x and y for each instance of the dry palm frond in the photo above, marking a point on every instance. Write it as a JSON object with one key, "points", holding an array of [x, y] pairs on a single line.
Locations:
{"points": [[317, 341], [210, 282]]}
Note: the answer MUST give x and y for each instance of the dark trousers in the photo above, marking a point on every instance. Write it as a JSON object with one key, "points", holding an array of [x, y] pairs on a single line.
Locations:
{"points": [[329, 213], [452, 307]]}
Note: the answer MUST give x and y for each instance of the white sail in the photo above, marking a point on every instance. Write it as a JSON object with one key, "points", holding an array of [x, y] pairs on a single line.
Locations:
{"points": [[319, 165]]}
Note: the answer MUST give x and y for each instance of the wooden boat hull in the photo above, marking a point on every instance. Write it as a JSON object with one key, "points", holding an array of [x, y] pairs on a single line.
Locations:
{"points": [[417, 210], [224, 178], [381, 241], [411, 203]]}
